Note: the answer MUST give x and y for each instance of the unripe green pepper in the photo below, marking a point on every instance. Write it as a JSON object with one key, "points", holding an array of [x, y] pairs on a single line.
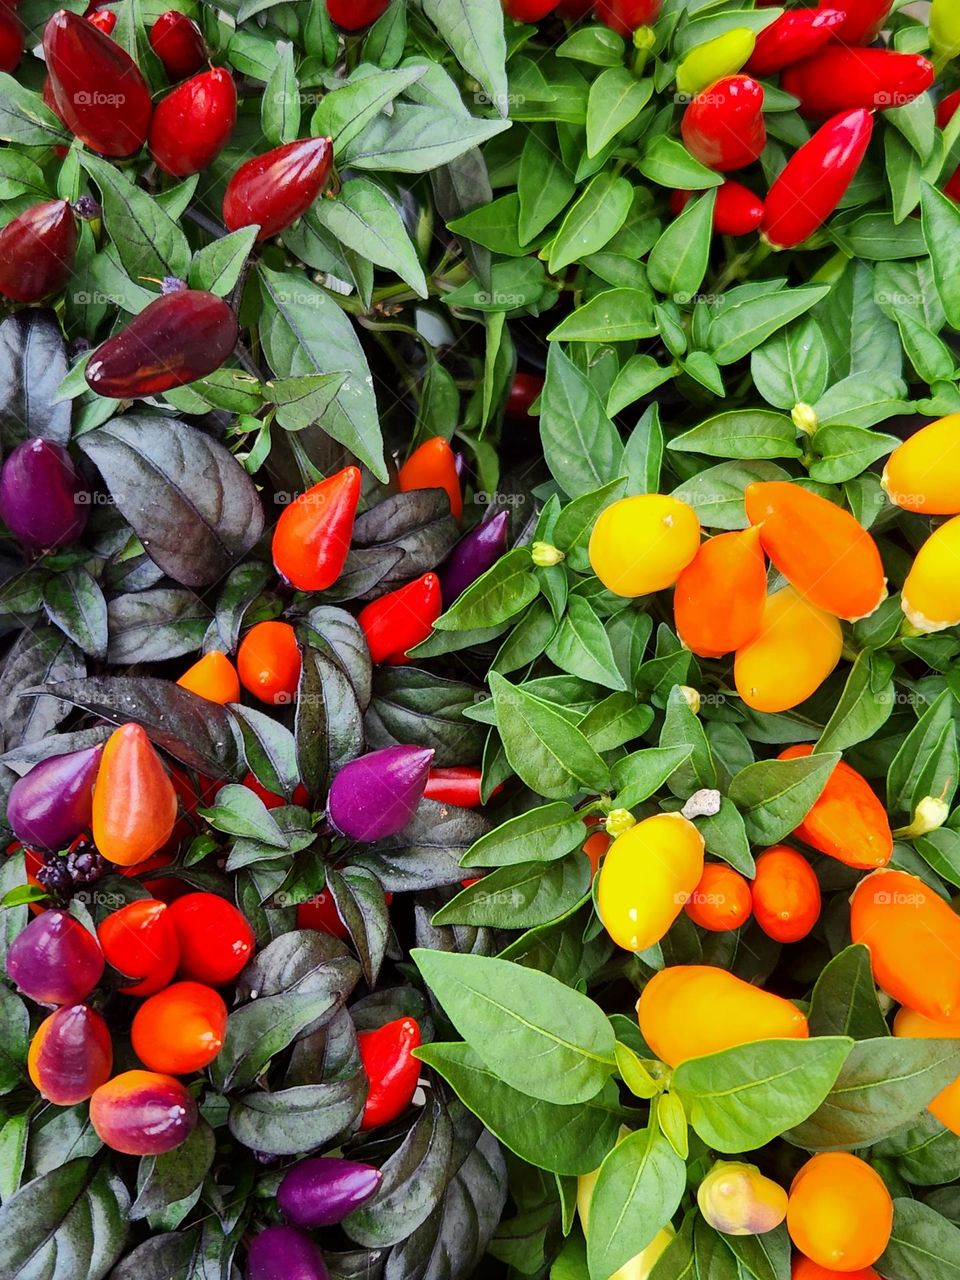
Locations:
{"points": [[945, 30], [722, 56]]}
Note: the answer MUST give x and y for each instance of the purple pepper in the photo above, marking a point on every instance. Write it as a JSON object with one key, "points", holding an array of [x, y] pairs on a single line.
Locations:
{"points": [[53, 803], [320, 1192], [43, 501], [473, 555], [282, 1253], [55, 960], [377, 795]]}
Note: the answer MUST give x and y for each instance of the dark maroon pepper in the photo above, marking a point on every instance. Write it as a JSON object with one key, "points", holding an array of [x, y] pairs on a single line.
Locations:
{"points": [[99, 91], [275, 189], [11, 39], [320, 1192], [182, 336], [53, 804], [43, 501], [37, 249], [473, 555]]}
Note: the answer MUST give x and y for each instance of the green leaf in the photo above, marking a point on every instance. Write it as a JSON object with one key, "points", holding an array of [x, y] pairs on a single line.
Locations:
{"points": [[344, 113], [567, 1140], [592, 221], [716, 494], [303, 401], [884, 1084], [25, 118], [616, 315], [75, 603], [844, 1000], [240, 812], [580, 443], [765, 1257], [792, 367], [616, 98], [571, 533], [521, 896], [638, 1190], [667, 162], [739, 328], [742, 1098], [496, 596], [923, 1244], [678, 261], [865, 704], [636, 777], [363, 219], [258, 1031], [217, 266], [280, 104], [540, 1036], [775, 796], [544, 187], [582, 647], [149, 242], [750, 433], [544, 749], [543, 834], [941, 228], [928, 741], [474, 31]]}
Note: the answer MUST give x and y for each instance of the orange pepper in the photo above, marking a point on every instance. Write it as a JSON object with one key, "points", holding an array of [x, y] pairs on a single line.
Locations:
{"points": [[786, 894], [134, 802], [722, 900], [840, 1213], [946, 1105], [269, 662], [213, 677], [433, 466], [180, 1029], [848, 821], [719, 599], [807, 1269], [312, 537], [818, 547]]}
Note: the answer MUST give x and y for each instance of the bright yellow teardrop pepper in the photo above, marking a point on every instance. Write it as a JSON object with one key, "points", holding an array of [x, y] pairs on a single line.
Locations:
{"points": [[644, 543], [645, 879], [931, 593], [738, 1200], [795, 650], [923, 473], [722, 56]]}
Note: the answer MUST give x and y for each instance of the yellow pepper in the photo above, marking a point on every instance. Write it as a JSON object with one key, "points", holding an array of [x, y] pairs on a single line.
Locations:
{"points": [[738, 1200], [931, 593], [644, 543], [923, 473], [645, 879], [722, 56], [795, 650]]}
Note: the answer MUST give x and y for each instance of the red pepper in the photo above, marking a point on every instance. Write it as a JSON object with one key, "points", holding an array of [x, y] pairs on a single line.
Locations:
{"points": [[401, 619], [574, 9], [625, 16], [815, 179], [946, 110], [181, 337], [433, 466], [723, 126], [275, 189], [11, 39], [99, 91], [737, 211], [528, 10], [864, 20], [459, 785], [104, 20], [524, 392], [312, 537], [391, 1069], [193, 124], [796, 34], [355, 15], [842, 79], [178, 43], [37, 250]]}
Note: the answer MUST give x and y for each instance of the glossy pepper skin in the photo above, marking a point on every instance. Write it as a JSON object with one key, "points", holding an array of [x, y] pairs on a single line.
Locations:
{"points": [[738, 1200], [376, 795], [283, 1253], [921, 474], [815, 179], [820, 548], [840, 1213], [178, 43], [719, 598], [863, 20], [320, 1192], [176, 339], [944, 30], [275, 189], [100, 93], [391, 1069], [721, 900], [794, 651], [786, 894], [689, 1010], [625, 16], [399, 620], [795, 35], [806, 1269], [71, 1055], [643, 543], [37, 250], [528, 10], [181, 1029], [433, 466], [312, 537], [931, 593], [848, 820], [647, 877], [841, 79], [140, 941], [356, 15], [736, 211], [141, 1113], [11, 39], [524, 392], [460, 786], [269, 662], [194, 122], [215, 939], [134, 801], [475, 553], [724, 55], [43, 501], [213, 677], [104, 20], [53, 803], [723, 126], [55, 960], [911, 932]]}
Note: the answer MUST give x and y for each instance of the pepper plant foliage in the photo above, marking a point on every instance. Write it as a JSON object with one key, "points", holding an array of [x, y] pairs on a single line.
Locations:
{"points": [[501, 199]]}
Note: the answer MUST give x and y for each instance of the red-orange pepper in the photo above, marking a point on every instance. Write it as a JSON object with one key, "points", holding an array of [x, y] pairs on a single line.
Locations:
{"points": [[401, 619], [433, 466], [391, 1069]]}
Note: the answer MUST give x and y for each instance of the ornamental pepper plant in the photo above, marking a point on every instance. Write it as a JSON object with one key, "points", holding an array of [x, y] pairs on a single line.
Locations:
{"points": [[479, 651]]}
